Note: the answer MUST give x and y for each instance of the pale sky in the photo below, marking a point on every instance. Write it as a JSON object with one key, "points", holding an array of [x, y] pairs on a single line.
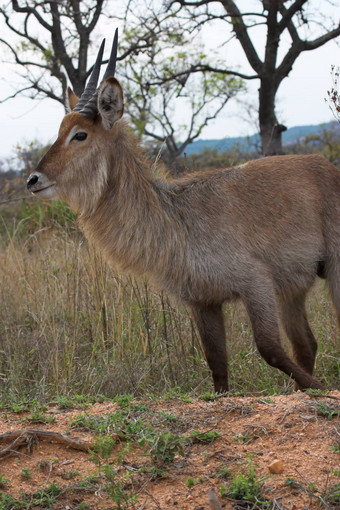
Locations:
{"points": [[300, 99]]}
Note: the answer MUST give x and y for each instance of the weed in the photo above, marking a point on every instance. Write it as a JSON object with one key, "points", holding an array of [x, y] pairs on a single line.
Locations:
{"points": [[25, 473], [69, 475], [293, 483], [204, 437], [156, 473], [3, 482], [251, 433], [37, 414], [190, 482], [70, 402], [47, 497], [89, 482], [222, 472], [123, 400], [335, 448], [164, 446], [331, 495], [171, 418], [7, 502], [102, 449], [115, 488], [246, 486], [209, 396], [326, 411]]}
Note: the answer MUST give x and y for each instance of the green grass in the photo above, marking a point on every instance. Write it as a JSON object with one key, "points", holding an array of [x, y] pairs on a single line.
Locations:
{"points": [[71, 326]]}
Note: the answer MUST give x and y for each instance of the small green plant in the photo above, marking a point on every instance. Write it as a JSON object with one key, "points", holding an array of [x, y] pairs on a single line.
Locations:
{"points": [[164, 446], [47, 497], [246, 486], [37, 414], [3, 482], [223, 472], [311, 487], [326, 411], [209, 396], [335, 448], [69, 475], [102, 449], [331, 495], [70, 402], [335, 472], [115, 488], [293, 483], [7, 502], [204, 437], [90, 482], [123, 400], [190, 482], [171, 418], [25, 473]]}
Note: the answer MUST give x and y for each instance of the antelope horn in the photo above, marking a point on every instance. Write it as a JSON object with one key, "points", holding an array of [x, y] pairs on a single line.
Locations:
{"points": [[90, 109], [92, 84]]}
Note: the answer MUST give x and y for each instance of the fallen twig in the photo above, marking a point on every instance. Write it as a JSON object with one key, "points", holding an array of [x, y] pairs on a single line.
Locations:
{"points": [[22, 438]]}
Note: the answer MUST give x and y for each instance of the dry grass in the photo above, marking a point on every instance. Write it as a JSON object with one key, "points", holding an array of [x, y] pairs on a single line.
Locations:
{"points": [[69, 324]]}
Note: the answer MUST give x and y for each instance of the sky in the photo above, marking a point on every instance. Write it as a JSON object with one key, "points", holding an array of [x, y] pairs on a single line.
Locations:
{"points": [[300, 99]]}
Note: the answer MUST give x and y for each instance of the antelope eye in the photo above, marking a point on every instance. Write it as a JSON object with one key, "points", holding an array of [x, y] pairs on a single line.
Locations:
{"points": [[80, 136]]}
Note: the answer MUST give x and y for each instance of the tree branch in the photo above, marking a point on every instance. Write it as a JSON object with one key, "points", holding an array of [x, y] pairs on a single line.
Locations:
{"points": [[242, 35]]}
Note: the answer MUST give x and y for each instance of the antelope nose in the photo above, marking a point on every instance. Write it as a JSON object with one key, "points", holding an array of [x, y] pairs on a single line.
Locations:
{"points": [[32, 180]]}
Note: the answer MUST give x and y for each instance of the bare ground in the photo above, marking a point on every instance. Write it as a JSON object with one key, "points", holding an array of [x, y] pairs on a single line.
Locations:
{"points": [[301, 431]]}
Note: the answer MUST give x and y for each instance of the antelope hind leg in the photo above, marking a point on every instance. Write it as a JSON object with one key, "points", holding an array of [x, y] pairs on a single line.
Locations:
{"points": [[262, 310]]}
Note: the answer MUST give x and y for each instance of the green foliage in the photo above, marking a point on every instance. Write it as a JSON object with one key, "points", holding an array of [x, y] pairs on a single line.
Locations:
{"points": [[102, 449], [164, 446], [246, 486], [3, 482], [190, 482], [209, 396], [223, 472], [37, 414], [43, 498], [327, 411], [331, 495], [26, 473], [72, 401], [204, 437]]}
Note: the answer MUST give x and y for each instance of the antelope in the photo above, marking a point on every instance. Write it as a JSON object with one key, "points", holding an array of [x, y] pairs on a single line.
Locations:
{"points": [[260, 232]]}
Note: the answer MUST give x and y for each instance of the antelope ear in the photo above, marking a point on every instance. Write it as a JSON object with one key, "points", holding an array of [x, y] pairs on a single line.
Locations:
{"points": [[110, 102], [72, 98]]}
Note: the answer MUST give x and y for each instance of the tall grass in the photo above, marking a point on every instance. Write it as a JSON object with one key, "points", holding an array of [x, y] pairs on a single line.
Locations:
{"points": [[70, 324]]}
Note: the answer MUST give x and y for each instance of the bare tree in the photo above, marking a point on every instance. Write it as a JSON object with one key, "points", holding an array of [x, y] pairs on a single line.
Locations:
{"points": [[155, 111], [153, 47], [54, 40], [298, 20]]}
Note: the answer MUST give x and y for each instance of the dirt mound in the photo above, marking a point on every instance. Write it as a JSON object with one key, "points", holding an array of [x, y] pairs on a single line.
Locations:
{"points": [[274, 452]]}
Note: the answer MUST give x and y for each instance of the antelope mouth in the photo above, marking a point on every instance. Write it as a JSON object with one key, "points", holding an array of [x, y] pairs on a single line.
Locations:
{"points": [[49, 191], [35, 191]]}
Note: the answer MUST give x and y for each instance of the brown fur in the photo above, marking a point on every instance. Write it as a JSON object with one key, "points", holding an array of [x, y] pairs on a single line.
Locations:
{"points": [[259, 232]]}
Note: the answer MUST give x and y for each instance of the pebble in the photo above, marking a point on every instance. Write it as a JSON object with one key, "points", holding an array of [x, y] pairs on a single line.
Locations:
{"points": [[276, 467]]}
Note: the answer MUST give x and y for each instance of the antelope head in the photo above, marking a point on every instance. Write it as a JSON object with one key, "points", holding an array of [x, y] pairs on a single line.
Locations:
{"points": [[75, 168]]}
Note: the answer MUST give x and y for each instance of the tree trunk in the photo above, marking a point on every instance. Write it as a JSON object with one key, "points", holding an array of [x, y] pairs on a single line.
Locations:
{"points": [[270, 129]]}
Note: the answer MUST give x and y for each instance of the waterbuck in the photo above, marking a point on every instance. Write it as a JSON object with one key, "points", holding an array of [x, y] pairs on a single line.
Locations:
{"points": [[260, 232]]}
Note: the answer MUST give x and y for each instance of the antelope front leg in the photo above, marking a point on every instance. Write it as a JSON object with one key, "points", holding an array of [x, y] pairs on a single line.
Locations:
{"points": [[210, 324]]}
